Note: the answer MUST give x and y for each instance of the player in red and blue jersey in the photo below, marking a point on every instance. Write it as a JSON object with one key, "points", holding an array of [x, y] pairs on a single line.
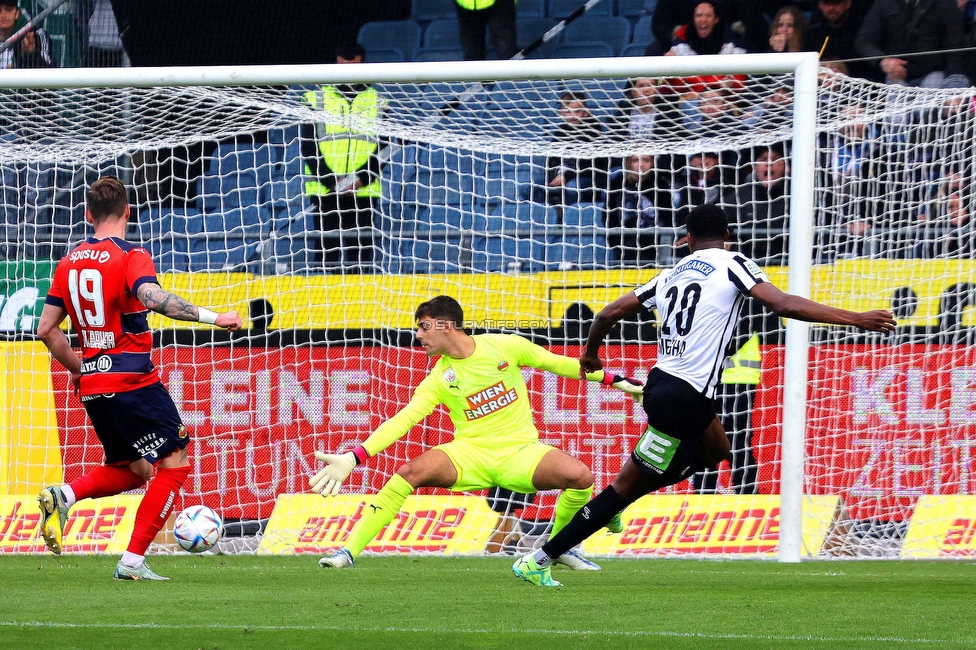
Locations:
{"points": [[107, 286]]}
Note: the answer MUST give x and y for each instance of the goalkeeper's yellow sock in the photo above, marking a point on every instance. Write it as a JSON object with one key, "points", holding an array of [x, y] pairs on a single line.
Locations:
{"points": [[378, 514], [568, 503]]}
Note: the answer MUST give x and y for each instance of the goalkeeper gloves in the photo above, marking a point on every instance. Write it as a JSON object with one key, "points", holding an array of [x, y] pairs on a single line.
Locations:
{"points": [[338, 468], [630, 386]]}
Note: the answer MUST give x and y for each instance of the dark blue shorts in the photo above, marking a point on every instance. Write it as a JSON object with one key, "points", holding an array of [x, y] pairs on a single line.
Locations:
{"points": [[677, 416], [141, 423]]}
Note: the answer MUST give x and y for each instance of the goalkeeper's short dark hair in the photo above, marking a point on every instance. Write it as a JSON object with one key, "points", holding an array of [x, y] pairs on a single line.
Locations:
{"points": [[441, 308], [707, 221]]}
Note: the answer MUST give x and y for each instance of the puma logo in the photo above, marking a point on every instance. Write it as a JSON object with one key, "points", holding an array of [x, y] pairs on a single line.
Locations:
{"points": [[375, 508]]}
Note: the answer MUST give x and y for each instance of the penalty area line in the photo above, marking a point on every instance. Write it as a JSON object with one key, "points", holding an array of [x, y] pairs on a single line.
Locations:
{"points": [[435, 630]]}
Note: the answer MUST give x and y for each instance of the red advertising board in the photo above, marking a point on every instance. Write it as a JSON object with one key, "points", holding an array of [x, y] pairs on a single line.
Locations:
{"points": [[886, 424]]}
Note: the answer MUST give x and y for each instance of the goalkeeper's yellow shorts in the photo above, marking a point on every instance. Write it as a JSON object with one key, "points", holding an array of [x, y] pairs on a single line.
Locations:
{"points": [[481, 466]]}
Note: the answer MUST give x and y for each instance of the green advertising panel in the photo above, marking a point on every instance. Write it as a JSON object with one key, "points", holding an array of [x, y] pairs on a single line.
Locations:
{"points": [[23, 287]]}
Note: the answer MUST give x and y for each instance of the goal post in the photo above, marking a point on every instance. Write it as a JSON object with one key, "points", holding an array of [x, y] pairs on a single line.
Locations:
{"points": [[215, 161]]}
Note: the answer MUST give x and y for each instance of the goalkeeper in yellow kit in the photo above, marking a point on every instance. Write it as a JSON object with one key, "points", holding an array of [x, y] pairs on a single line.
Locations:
{"points": [[496, 443]]}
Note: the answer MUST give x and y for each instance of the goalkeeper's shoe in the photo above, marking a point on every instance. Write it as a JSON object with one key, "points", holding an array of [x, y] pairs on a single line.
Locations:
{"points": [[54, 516], [575, 561], [341, 559], [141, 572], [526, 568], [616, 525]]}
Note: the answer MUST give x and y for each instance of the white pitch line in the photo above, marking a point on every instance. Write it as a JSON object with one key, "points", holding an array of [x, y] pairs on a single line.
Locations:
{"points": [[428, 630]]}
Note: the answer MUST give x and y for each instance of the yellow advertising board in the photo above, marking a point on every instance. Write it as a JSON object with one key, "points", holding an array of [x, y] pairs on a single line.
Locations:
{"points": [[307, 523], [94, 525], [942, 526], [670, 524], [654, 525]]}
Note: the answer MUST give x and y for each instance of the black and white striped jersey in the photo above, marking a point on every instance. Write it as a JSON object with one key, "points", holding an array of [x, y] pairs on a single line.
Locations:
{"points": [[698, 303]]}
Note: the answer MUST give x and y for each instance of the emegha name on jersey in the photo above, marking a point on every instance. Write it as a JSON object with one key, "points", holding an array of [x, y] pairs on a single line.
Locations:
{"points": [[489, 400]]}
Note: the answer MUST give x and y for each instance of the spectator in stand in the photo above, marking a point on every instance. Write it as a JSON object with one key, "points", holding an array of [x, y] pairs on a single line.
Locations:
{"points": [[706, 34], [968, 9], [104, 45], [924, 26], [475, 17], [33, 50], [668, 16], [574, 180], [638, 116], [633, 197], [946, 229], [761, 208], [342, 168], [703, 180], [844, 208], [786, 30], [833, 30]]}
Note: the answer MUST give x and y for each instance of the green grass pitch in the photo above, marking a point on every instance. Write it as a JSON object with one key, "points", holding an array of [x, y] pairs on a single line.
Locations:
{"points": [[217, 602]]}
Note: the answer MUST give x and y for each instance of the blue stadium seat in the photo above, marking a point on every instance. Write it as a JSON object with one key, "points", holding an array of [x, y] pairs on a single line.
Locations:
{"points": [[642, 31], [434, 9], [632, 8], [562, 8], [401, 34], [534, 8], [230, 255], [430, 256], [442, 33], [582, 50], [530, 216], [218, 193], [385, 55], [442, 96], [634, 49], [294, 250], [171, 255], [585, 216], [507, 254], [154, 225], [580, 252], [509, 178], [612, 30], [431, 54], [444, 176], [444, 217], [520, 109], [530, 29]]}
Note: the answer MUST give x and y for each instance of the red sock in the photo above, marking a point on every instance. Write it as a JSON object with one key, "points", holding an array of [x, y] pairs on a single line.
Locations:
{"points": [[105, 481], [155, 506]]}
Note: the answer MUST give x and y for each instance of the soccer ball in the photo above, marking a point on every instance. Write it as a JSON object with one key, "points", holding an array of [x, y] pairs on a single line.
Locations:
{"points": [[197, 529]]}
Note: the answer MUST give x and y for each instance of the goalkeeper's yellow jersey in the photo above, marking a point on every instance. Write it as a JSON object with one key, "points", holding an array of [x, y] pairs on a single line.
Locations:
{"points": [[485, 393]]}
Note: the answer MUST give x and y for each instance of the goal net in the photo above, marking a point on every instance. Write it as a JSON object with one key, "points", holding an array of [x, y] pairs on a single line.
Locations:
{"points": [[534, 201]]}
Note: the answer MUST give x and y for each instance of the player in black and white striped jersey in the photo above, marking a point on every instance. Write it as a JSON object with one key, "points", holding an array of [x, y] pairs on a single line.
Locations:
{"points": [[698, 302]]}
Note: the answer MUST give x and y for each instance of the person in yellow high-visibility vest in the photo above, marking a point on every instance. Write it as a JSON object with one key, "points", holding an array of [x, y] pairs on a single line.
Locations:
{"points": [[495, 16], [734, 402], [342, 169]]}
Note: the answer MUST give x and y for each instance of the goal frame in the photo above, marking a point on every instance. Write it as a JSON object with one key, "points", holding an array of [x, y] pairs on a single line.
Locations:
{"points": [[803, 66]]}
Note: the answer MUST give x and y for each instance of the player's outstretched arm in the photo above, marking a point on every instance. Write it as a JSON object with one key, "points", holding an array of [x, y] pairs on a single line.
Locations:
{"points": [[791, 306], [624, 306], [157, 299]]}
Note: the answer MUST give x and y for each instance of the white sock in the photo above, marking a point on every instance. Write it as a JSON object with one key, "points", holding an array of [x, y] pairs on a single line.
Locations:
{"points": [[541, 558], [133, 560], [69, 495]]}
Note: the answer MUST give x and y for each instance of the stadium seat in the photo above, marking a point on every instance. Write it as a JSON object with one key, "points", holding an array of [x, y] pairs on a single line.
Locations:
{"points": [[582, 50], [642, 31], [430, 256], [401, 34], [445, 218], [232, 190], [429, 54], [385, 55], [442, 33], [230, 255], [612, 30], [433, 9], [171, 255], [520, 109], [507, 254], [533, 8], [443, 96], [634, 49], [585, 216], [293, 249], [562, 8], [632, 8], [530, 29], [580, 252]]}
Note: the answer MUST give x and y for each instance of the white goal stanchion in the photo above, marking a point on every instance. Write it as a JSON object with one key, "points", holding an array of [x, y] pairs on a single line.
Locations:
{"points": [[470, 205]]}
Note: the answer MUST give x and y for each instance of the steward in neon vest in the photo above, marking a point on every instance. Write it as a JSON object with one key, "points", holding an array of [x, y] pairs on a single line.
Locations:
{"points": [[346, 144], [475, 5], [745, 366]]}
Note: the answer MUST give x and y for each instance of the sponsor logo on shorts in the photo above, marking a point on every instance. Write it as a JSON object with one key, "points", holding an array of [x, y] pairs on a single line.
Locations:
{"points": [[148, 444], [487, 401]]}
